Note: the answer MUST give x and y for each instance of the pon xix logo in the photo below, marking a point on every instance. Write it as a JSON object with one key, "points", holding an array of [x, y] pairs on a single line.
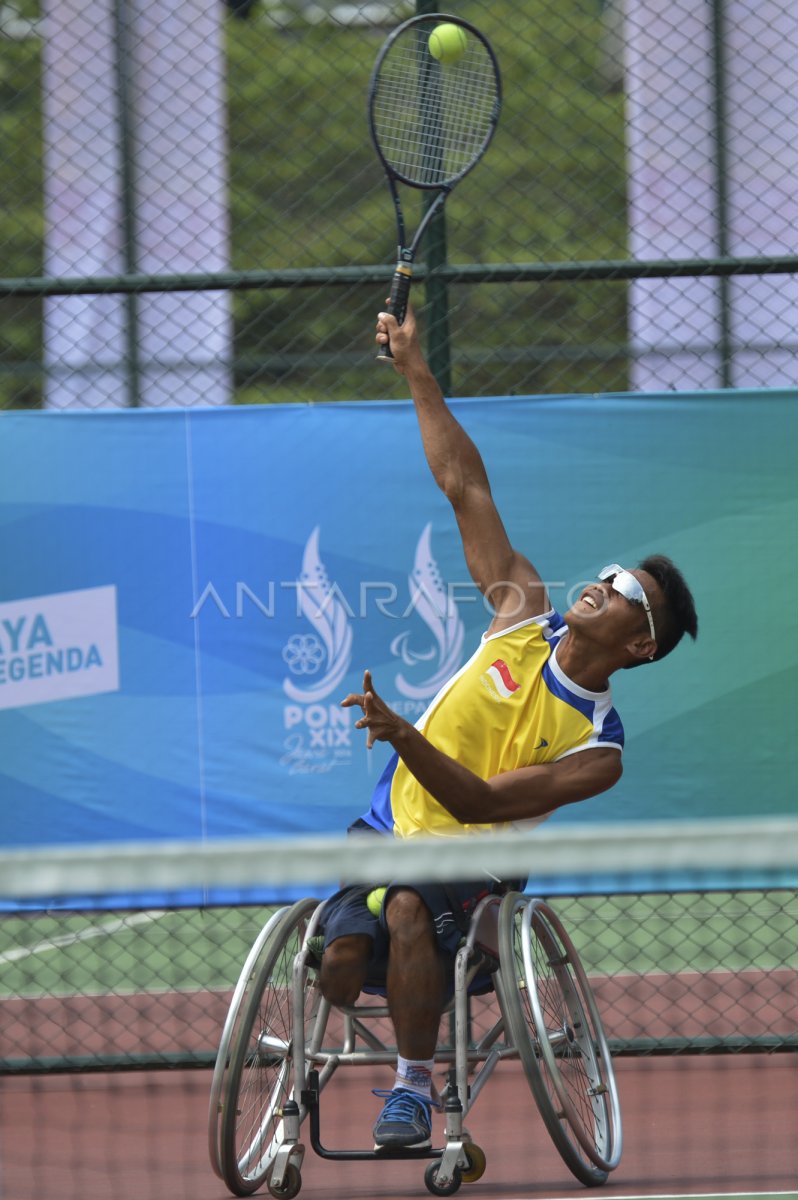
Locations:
{"points": [[58, 647]]}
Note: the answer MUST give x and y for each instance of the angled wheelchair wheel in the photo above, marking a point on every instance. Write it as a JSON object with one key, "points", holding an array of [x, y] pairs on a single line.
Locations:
{"points": [[250, 975], [555, 1025], [253, 1076]]}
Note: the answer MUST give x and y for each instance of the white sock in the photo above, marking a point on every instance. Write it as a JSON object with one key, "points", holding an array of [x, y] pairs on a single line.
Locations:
{"points": [[415, 1075]]}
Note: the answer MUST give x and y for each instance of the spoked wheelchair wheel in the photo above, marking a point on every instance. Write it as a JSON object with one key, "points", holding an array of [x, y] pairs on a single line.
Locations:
{"points": [[554, 1023], [253, 1076]]}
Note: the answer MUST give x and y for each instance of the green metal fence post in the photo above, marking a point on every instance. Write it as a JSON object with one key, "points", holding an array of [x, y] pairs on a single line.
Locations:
{"points": [[436, 289], [719, 84], [437, 297], [122, 51]]}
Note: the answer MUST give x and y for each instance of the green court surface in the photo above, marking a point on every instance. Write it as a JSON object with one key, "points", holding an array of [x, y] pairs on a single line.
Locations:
{"points": [[89, 953]]}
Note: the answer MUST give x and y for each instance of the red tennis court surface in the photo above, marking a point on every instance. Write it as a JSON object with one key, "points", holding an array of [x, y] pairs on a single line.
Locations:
{"points": [[686, 1005], [709, 1124]]}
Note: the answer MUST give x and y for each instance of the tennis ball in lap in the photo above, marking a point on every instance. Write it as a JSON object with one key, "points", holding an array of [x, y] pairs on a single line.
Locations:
{"points": [[447, 43], [374, 901]]}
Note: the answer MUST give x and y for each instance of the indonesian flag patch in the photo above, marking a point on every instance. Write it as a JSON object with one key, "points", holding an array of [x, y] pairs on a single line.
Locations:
{"points": [[499, 674]]}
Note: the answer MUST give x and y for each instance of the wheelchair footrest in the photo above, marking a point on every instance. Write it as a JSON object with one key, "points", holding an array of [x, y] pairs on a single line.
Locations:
{"points": [[310, 1100]]}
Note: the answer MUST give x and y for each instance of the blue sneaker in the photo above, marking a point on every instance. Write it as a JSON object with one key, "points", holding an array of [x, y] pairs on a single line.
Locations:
{"points": [[405, 1121]]}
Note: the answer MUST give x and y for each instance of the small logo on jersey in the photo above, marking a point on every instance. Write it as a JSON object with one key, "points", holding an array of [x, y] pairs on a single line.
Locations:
{"points": [[499, 674], [541, 744]]}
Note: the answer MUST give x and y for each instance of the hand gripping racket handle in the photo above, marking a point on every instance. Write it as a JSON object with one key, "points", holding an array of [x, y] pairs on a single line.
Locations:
{"points": [[397, 302]]}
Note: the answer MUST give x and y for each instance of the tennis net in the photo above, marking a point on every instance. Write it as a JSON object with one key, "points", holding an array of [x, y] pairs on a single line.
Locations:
{"points": [[118, 964]]}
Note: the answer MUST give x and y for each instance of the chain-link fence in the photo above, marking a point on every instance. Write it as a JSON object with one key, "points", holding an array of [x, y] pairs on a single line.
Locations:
{"points": [[680, 972], [193, 212]]}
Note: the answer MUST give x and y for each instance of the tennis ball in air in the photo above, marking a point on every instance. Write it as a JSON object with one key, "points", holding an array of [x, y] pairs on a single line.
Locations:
{"points": [[374, 901], [448, 43]]}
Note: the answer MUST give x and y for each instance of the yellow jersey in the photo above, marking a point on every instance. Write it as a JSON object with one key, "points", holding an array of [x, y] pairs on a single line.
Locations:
{"points": [[509, 706]]}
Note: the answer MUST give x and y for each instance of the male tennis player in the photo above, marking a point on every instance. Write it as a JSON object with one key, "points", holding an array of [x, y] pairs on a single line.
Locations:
{"points": [[526, 726]]}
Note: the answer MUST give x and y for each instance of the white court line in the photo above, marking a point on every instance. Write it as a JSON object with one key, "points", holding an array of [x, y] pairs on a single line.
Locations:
{"points": [[218, 989], [672, 1196], [84, 935]]}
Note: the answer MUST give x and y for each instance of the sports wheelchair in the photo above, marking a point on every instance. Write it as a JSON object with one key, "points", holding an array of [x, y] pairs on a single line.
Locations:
{"points": [[282, 1042]]}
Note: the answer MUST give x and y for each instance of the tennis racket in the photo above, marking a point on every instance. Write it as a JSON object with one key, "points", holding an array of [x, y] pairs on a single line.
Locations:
{"points": [[432, 113]]}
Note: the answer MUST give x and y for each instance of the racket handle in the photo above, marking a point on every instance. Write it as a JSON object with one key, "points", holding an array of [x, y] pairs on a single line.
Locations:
{"points": [[397, 303]]}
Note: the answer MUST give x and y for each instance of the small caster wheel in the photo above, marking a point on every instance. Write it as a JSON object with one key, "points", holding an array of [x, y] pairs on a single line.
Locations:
{"points": [[439, 1189], [292, 1182], [476, 1163]]}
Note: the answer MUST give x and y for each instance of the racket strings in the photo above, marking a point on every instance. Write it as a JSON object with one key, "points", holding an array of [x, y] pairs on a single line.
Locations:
{"points": [[432, 121]]}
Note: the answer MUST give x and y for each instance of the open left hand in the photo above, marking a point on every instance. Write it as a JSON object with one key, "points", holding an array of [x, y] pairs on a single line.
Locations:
{"points": [[382, 723]]}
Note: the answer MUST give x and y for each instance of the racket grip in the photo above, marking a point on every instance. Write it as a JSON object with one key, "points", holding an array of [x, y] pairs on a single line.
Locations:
{"points": [[397, 302]]}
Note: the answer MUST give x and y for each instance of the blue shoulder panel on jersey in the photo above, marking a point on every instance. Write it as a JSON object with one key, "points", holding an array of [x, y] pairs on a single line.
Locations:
{"points": [[380, 815], [611, 729]]}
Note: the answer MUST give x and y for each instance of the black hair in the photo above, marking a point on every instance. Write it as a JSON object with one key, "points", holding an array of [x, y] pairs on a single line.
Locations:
{"points": [[678, 616]]}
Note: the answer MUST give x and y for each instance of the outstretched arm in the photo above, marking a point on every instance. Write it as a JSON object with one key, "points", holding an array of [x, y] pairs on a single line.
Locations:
{"points": [[507, 578], [513, 796]]}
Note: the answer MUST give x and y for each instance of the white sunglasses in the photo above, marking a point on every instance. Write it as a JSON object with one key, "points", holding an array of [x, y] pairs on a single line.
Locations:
{"points": [[630, 587]]}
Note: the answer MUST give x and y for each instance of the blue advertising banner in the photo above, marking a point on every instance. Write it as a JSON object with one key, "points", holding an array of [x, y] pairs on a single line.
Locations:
{"points": [[187, 595]]}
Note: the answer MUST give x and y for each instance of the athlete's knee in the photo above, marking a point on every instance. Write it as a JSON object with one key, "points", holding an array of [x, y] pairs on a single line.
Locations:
{"points": [[407, 917], [343, 968]]}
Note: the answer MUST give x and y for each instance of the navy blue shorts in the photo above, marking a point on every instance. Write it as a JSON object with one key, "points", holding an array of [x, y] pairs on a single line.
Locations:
{"points": [[450, 906]]}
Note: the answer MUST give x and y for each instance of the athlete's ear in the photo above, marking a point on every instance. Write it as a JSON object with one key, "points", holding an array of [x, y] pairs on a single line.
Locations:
{"points": [[641, 648]]}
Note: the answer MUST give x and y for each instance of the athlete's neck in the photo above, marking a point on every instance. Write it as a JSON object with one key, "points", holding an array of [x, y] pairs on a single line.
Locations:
{"points": [[582, 664]]}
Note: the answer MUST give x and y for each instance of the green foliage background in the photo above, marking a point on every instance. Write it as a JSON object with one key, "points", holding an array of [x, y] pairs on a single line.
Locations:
{"points": [[305, 190]]}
